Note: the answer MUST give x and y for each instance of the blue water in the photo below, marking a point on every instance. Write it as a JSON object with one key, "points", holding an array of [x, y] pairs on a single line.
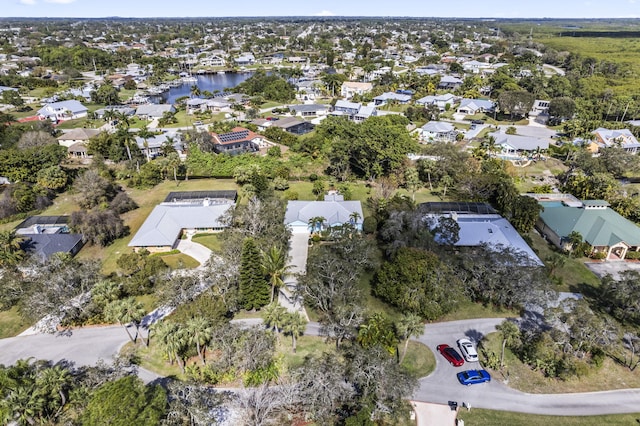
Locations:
{"points": [[210, 82]]}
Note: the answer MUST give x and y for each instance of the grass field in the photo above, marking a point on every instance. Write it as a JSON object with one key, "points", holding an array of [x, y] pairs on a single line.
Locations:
{"points": [[11, 324], [574, 274], [210, 241], [610, 376], [180, 261], [503, 418]]}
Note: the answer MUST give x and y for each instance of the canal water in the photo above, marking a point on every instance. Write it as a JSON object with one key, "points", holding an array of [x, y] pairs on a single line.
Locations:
{"points": [[210, 82]]}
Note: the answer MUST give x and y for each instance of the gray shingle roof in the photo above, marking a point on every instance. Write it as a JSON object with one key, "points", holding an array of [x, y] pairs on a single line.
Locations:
{"points": [[335, 212], [166, 222]]}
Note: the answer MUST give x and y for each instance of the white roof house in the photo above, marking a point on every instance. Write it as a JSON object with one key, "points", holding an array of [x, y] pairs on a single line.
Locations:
{"points": [[516, 143], [151, 111], [474, 106], [437, 131], [350, 88], [439, 100], [167, 221], [334, 213], [63, 110], [606, 138]]}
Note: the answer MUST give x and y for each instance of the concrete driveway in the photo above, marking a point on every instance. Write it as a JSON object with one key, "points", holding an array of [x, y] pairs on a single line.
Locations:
{"points": [[442, 385], [195, 250], [612, 268]]}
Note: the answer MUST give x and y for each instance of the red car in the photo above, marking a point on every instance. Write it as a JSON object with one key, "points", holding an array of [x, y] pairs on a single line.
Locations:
{"points": [[450, 355]]}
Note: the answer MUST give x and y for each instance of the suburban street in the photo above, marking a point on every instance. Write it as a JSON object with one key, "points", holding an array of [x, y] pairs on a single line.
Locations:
{"points": [[442, 385], [86, 346]]}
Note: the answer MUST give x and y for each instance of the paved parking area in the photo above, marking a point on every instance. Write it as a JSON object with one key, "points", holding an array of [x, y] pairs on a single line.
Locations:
{"points": [[612, 268]]}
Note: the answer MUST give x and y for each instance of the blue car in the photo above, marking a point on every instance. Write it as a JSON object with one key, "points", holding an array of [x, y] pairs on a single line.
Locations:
{"points": [[472, 377]]}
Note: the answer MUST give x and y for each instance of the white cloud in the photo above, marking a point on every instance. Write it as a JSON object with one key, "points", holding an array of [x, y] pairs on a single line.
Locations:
{"points": [[324, 13], [60, 1], [29, 2]]}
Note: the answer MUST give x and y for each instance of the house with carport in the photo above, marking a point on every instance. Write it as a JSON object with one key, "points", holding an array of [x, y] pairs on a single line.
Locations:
{"points": [[600, 226]]}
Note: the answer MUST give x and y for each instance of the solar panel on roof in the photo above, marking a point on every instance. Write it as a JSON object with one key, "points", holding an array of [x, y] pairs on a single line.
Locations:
{"points": [[233, 136]]}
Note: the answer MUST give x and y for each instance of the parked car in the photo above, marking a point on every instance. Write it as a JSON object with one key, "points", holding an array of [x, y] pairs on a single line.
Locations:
{"points": [[197, 123], [473, 377], [477, 121], [450, 355], [467, 350]]}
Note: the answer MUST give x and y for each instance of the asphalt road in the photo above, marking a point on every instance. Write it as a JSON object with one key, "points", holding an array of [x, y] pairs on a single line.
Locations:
{"points": [[442, 385], [86, 346]]}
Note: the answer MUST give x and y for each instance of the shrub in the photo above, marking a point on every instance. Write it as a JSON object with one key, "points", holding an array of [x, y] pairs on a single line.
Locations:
{"points": [[290, 195], [632, 255], [122, 203], [369, 225], [280, 184], [313, 177]]}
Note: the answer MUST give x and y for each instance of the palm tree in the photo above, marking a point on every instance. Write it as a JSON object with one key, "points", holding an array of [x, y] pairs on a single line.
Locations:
{"points": [[174, 162], [354, 217], [199, 330], [145, 134], [274, 315], [274, 265], [410, 325], [11, 251], [162, 331], [54, 383], [295, 325], [510, 335], [124, 312], [315, 223], [195, 91], [23, 405]]}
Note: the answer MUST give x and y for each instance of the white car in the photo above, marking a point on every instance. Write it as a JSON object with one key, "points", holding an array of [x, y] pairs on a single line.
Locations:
{"points": [[468, 350]]}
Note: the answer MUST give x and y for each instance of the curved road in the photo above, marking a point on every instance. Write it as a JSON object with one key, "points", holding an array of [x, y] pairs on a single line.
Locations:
{"points": [[442, 385], [85, 346]]}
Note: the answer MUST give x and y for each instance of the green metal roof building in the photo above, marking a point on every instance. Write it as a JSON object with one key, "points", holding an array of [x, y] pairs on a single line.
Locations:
{"points": [[599, 225]]}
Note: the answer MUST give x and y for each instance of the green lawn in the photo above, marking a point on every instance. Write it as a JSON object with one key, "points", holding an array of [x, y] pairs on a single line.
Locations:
{"points": [[470, 310], [574, 274], [180, 261], [11, 323], [210, 241], [499, 418], [420, 360], [307, 345]]}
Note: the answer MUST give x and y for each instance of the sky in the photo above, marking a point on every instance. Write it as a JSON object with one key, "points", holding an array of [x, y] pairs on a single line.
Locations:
{"points": [[417, 8]]}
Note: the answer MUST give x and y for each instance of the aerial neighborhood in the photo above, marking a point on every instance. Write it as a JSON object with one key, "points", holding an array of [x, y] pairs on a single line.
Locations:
{"points": [[318, 220]]}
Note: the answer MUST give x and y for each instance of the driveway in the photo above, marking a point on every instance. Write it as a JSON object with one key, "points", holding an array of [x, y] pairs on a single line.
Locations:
{"points": [[612, 268], [195, 250], [298, 252], [442, 385]]}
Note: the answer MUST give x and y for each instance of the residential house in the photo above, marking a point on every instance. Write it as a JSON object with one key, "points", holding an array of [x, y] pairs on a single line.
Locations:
{"points": [[480, 225], [293, 125], [623, 138], [245, 59], [117, 109], [519, 146], [212, 61], [183, 213], [475, 106], [63, 110], [309, 110], [599, 225], [153, 111], [441, 101], [388, 97], [540, 107], [330, 213], [449, 82], [351, 88], [346, 108], [437, 131], [153, 146], [238, 141], [308, 89], [76, 141], [364, 112], [45, 236]]}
